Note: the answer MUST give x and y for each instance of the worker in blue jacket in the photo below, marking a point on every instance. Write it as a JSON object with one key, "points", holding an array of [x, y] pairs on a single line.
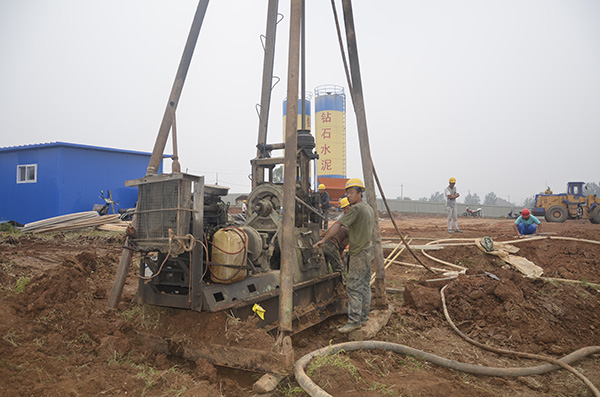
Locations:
{"points": [[527, 224]]}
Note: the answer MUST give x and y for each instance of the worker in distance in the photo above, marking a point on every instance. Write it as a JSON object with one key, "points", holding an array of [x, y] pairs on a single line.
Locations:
{"points": [[325, 205], [527, 224], [359, 220], [451, 210]]}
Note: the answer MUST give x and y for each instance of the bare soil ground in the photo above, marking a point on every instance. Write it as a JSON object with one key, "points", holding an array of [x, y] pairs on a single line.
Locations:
{"points": [[57, 339]]}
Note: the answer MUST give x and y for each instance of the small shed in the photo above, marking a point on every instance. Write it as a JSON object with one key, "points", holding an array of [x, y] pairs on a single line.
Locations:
{"points": [[45, 180]]}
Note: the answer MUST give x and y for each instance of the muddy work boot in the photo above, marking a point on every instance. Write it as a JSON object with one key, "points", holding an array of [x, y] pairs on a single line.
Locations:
{"points": [[349, 328]]}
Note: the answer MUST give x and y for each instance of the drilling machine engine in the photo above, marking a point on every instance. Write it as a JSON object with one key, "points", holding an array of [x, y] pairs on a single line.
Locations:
{"points": [[195, 255]]}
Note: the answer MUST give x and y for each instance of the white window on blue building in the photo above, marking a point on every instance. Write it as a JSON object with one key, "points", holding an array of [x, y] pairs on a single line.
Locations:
{"points": [[27, 173]]}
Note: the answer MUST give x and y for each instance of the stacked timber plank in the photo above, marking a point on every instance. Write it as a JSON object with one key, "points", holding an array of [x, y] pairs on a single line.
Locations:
{"points": [[120, 226], [78, 220]]}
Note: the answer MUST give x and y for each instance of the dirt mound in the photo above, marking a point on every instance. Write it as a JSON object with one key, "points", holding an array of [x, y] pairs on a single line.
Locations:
{"points": [[57, 338], [187, 327], [573, 260], [525, 315], [515, 312]]}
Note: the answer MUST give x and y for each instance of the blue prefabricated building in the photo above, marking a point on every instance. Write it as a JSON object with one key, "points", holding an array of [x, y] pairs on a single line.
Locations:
{"points": [[50, 179]]}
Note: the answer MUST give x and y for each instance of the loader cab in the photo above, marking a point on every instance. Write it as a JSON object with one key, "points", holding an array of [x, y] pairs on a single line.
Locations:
{"points": [[575, 188]]}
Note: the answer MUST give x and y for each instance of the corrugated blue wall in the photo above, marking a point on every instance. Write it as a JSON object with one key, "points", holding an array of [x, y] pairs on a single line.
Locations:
{"points": [[69, 179], [23, 202]]}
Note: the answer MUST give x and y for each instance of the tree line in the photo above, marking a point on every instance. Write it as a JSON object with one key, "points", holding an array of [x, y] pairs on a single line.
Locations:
{"points": [[492, 199]]}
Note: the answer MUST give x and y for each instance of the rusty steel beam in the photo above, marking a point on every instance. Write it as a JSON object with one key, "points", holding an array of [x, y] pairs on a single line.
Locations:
{"points": [[267, 77], [303, 64], [175, 166], [120, 277], [289, 173], [184, 65], [365, 150]]}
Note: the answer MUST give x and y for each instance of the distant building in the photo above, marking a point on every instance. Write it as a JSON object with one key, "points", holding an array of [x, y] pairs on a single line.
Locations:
{"points": [[50, 179], [240, 199], [500, 201]]}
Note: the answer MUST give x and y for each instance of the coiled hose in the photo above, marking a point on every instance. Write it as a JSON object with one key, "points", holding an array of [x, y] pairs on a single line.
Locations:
{"points": [[551, 360], [315, 391], [312, 389]]}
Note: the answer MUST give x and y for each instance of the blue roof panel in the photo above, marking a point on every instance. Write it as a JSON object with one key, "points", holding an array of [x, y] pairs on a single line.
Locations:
{"points": [[72, 145]]}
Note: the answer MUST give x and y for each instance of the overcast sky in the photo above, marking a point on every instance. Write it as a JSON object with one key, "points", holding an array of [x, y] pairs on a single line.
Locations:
{"points": [[502, 95]]}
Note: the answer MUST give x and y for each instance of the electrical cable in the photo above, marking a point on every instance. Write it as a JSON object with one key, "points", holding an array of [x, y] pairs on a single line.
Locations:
{"points": [[349, 81], [182, 244]]}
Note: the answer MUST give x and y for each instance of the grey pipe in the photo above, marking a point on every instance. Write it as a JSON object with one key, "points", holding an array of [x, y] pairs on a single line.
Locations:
{"points": [[313, 390]]}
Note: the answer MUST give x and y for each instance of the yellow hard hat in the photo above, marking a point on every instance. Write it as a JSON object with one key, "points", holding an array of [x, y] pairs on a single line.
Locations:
{"points": [[354, 182], [452, 180], [344, 202], [321, 186]]}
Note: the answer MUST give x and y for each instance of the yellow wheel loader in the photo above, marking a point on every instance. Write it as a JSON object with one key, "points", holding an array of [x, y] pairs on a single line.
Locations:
{"points": [[571, 205]]}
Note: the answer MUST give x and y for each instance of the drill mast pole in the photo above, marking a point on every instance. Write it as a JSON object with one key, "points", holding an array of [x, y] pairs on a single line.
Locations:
{"points": [[267, 77], [365, 149], [289, 179], [184, 66]]}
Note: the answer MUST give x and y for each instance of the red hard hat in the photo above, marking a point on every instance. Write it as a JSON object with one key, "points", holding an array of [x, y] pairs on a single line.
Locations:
{"points": [[525, 213]]}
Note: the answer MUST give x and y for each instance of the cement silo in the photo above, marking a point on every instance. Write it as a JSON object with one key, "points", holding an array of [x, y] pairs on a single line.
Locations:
{"points": [[307, 110], [330, 131], [330, 138]]}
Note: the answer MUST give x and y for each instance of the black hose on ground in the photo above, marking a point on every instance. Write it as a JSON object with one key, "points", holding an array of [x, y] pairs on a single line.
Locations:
{"points": [[315, 391], [552, 360]]}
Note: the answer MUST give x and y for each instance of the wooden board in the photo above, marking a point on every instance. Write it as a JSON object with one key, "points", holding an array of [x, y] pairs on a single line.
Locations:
{"points": [[504, 252]]}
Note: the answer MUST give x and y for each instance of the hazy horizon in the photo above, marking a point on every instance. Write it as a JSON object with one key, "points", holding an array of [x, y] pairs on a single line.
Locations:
{"points": [[501, 95]]}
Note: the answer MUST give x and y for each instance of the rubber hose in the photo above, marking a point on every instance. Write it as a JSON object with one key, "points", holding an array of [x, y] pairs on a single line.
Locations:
{"points": [[574, 239], [436, 242], [521, 240], [312, 389], [315, 391], [585, 380], [441, 261], [536, 238]]}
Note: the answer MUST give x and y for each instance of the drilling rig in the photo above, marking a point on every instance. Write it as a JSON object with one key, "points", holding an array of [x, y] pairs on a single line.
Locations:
{"points": [[195, 256]]}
